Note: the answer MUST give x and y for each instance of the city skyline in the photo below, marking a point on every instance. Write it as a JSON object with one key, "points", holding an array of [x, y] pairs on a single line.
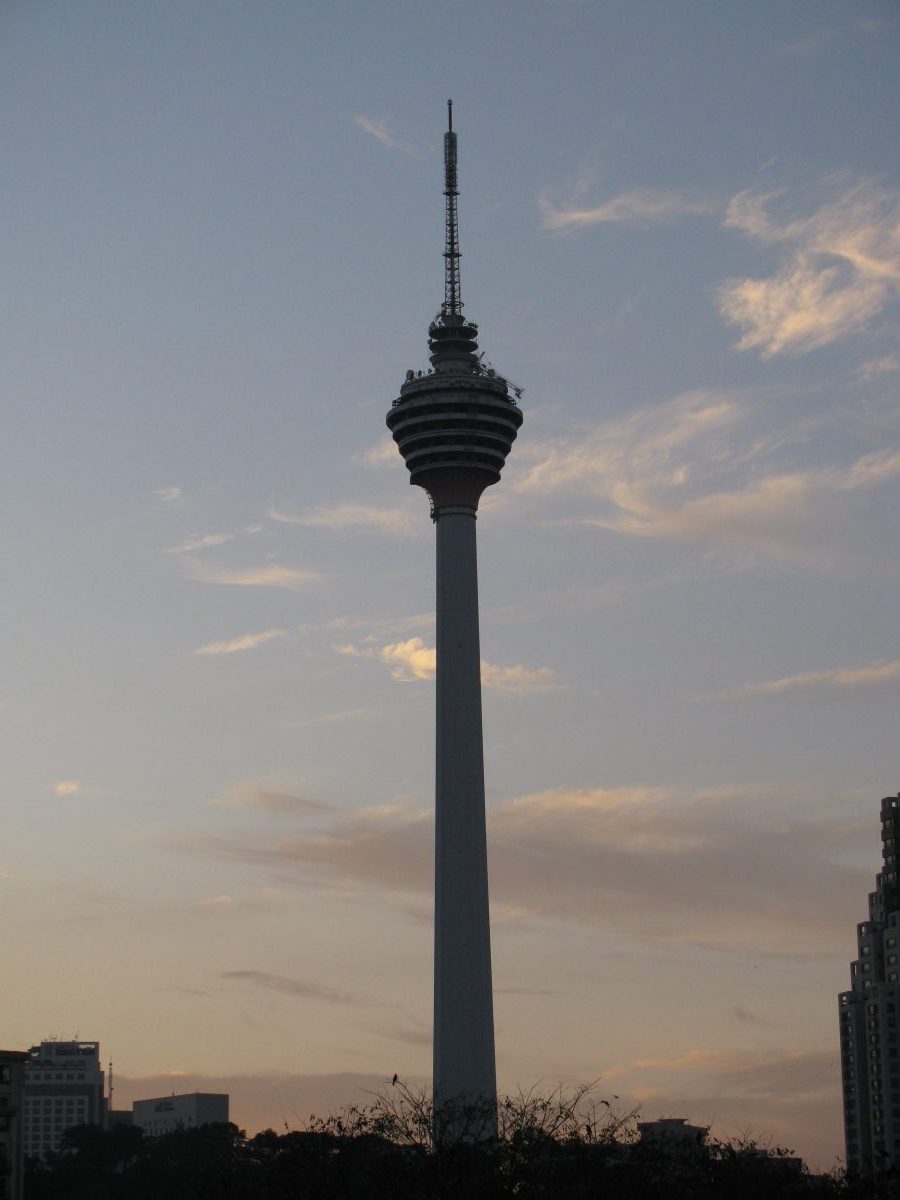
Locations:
{"points": [[681, 235]]}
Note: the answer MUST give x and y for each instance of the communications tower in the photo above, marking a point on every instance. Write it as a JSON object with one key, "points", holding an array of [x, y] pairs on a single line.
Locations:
{"points": [[454, 426]]}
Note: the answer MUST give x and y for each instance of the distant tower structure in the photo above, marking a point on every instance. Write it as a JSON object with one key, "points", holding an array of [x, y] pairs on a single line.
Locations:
{"points": [[869, 1018], [454, 426]]}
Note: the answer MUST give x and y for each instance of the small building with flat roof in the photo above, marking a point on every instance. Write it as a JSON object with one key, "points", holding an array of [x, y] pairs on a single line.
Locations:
{"points": [[165, 1114]]}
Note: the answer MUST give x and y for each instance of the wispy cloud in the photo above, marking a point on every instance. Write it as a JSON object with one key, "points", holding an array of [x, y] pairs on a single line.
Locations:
{"points": [[247, 641], [679, 471], [169, 495], [378, 128], [383, 626], [189, 545], [67, 787], [329, 718], [840, 681], [584, 855], [264, 900], [840, 270], [346, 518], [263, 576], [641, 206], [874, 367], [746, 1017], [383, 453], [812, 45], [412, 660], [273, 799], [301, 989], [518, 680]]}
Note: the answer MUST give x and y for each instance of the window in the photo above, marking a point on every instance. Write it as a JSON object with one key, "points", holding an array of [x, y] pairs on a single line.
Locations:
{"points": [[5, 1074]]}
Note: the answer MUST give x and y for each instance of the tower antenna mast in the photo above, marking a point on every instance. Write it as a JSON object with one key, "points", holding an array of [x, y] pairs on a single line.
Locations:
{"points": [[452, 306]]}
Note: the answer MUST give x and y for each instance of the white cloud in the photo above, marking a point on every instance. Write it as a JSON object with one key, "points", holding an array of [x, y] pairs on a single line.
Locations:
{"points": [[873, 676], [247, 641], [378, 128], [67, 787], [189, 545], [841, 269], [343, 518], [641, 206], [264, 576], [410, 660]]}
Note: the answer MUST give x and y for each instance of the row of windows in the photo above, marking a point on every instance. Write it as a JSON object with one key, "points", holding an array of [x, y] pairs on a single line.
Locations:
{"points": [[53, 1077]]}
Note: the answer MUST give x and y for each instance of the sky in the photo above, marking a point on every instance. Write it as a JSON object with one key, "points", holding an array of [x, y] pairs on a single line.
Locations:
{"points": [[222, 227]]}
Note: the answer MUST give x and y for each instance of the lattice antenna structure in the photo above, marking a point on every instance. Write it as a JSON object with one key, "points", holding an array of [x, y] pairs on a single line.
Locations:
{"points": [[452, 306]]}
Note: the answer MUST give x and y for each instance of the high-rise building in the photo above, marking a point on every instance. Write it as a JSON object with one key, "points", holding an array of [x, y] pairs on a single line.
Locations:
{"points": [[12, 1093], [64, 1086], [454, 426], [869, 1016]]}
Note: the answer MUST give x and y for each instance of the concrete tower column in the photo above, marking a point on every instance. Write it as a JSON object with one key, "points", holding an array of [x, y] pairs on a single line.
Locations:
{"points": [[464, 1073]]}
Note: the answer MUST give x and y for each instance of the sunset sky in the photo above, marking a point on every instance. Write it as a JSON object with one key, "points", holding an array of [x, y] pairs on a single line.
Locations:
{"points": [[222, 225]]}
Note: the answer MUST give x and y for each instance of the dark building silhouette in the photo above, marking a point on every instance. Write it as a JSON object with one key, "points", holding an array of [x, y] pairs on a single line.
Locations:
{"points": [[869, 1016], [12, 1094]]}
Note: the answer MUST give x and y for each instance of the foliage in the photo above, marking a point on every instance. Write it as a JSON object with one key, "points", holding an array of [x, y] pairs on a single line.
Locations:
{"points": [[557, 1146]]}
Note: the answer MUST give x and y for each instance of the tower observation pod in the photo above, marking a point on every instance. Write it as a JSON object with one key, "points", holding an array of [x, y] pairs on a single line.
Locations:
{"points": [[454, 426]]}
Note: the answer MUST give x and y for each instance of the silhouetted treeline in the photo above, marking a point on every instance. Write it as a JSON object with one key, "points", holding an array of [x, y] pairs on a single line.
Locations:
{"points": [[547, 1148]]}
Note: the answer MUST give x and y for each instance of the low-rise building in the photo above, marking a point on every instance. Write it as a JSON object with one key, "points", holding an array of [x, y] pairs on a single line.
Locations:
{"points": [[672, 1131], [12, 1094], [164, 1114]]}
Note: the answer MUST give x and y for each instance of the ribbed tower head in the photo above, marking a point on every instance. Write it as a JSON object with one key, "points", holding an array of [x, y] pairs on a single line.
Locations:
{"points": [[455, 424]]}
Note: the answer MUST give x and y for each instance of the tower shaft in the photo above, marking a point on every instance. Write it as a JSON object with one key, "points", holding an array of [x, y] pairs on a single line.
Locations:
{"points": [[454, 426], [464, 1072]]}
